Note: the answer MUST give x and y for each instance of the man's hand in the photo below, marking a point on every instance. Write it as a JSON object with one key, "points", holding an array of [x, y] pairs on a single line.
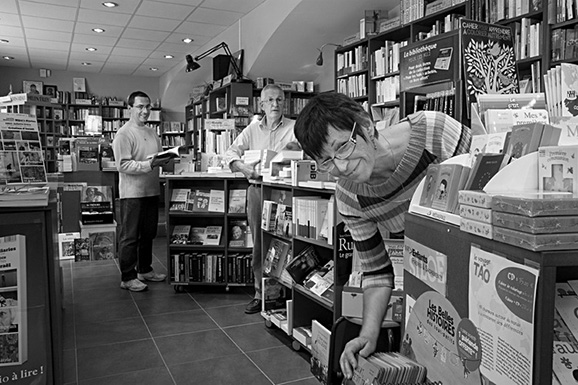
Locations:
{"points": [[156, 162], [248, 169], [347, 361]]}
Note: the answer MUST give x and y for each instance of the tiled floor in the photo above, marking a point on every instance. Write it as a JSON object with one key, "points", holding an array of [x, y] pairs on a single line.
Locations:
{"points": [[158, 337]]}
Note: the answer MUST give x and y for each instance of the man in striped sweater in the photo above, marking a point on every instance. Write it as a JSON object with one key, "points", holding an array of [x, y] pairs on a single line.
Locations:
{"points": [[378, 173]]}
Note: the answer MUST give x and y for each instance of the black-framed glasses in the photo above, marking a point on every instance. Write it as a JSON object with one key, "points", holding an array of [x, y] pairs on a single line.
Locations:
{"points": [[343, 152]]}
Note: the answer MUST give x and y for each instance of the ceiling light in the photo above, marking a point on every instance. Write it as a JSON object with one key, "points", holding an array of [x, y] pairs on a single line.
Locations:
{"points": [[91, 49], [98, 30], [110, 4], [169, 56], [187, 40], [153, 69], [86, 63], [4, 41], [8, 57]]}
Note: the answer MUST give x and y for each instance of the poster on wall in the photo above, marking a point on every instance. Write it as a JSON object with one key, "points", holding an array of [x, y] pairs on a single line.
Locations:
{"points": [[502, 302], [426, 264], [446, 344]]}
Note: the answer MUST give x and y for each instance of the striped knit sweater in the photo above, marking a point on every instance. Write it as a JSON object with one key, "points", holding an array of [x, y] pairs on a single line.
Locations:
{"points": [[434, 138]]}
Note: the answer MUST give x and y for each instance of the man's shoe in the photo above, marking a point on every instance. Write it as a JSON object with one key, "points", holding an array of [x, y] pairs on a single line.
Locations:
{"points": [[133, 285], [253, 307], [152, 276]]}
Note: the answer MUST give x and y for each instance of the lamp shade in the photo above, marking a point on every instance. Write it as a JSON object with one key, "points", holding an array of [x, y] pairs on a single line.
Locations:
{"points": [[191, 64]]}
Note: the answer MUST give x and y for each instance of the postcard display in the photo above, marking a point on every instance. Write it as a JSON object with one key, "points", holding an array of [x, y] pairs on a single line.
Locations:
{"points": [[21, 158]]}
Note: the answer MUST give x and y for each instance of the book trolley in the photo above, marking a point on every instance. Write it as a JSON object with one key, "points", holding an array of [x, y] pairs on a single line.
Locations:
{"points": [[425, 228]]}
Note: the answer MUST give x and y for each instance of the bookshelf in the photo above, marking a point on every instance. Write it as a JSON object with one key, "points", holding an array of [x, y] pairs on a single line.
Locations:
{"points": [[294, 102], [194, 258], [51, 124], [306, 305]]}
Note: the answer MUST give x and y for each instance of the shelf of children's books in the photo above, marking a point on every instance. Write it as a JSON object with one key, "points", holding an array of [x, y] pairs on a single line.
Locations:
{"points": [[352, 73], [391, 103], [311, 241], [177, 247], [383, 76], [432, 18], [320, 300]]}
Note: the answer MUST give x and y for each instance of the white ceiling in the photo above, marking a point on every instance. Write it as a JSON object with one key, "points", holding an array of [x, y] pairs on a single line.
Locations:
{"points": [[138, 34]]}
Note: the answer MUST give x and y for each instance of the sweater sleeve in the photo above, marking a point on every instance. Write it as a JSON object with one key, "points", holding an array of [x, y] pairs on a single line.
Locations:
{"points": [[125, 163]]}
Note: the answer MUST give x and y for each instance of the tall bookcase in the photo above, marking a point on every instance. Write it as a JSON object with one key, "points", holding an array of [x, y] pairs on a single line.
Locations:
{"points": [[294, 102], [185, 261]]}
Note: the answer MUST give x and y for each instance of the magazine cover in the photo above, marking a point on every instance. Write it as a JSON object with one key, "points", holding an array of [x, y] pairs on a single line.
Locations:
{"points": [[489, 59]]}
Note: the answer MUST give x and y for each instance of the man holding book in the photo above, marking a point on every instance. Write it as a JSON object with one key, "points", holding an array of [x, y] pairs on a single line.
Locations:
{"points": [[378, 173], [273, 132], [139, 191]]}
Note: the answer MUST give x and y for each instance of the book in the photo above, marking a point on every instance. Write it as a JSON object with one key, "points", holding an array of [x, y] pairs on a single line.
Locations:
{"points": [[87, 154], [180, 234], [82, 250], [565, 362], [216, 201], [200, 200], [283, 220], [430, 184], [568, 89], [448, 182], [275, 294], [213, 235], [197, 235], [238, 233], [497, 120], [171, 153], [178, 199], [485, 167], [96, 205], [556, 166], [302, 264], [320, 343], [268, 215], [14, 310], [103, 245], [66, 245], [276, 256], [525, 138], [237, 201]]}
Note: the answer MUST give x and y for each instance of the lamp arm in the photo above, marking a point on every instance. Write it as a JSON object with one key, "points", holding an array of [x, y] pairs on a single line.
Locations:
{"points": [[223, 45], [326, 44]]}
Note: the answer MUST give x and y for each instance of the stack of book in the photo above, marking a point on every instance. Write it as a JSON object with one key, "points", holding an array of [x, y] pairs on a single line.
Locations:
{"points": [[387, 368], [475, 213]]}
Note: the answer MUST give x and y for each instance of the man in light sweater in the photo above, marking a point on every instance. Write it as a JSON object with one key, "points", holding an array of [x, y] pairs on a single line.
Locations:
{"points": [[139, 191]]}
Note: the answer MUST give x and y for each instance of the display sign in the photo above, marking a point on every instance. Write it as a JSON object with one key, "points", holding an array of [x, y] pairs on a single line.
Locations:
{"points": [[426, 264]]}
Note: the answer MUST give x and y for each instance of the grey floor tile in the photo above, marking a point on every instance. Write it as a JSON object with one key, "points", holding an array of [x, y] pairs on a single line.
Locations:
{"points": [[195, 346], [110, 360], [101, 297], [95, 270], [91, 312], [216, 297], [179, 323], [109, 332], [306, 381], [154, 305], [230, 370], [105, 282], [281, 364], [154, 376], [233, 316], [253, 337]]}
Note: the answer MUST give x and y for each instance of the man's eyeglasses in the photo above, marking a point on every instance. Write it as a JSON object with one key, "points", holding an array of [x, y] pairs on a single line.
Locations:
{"points": [[342, 153], [271, 101], [142, 107]]}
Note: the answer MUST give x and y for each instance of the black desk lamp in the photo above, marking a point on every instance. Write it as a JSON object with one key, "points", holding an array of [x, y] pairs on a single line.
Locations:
{"points": [[192, 64]]}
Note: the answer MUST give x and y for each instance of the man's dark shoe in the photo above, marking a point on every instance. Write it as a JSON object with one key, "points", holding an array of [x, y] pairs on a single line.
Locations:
{"points": [[253, 307]]}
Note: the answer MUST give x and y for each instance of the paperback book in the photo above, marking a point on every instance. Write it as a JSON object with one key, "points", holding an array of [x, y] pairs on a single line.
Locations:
{"points": [[276, 257], [180, 234], [302, 264], [238, 233], [213, 235], [237, 201], [217, 201], [178, 199], [66, 245]]}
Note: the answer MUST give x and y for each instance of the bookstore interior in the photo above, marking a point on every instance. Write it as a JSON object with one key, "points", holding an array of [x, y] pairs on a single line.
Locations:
{"points": [[485, 276]]}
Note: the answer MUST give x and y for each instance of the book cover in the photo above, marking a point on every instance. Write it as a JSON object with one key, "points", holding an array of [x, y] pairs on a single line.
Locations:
{"points": [[268, 215], [489, 59], [446, 187], [275, 294], [171, 153], [320, 343], [13, 301], [503, 120], [217, 201], [485, 167], [238, 233], [82, 249], [565, 362], [430, 184], [87, 154], [568, 89], [213, 235], [556, 165], [237, 201], [525, 138], [180, 234], [178, 199], [302, 264], [197, 235], [96, 205], [66, 245], [201, 200], [103, 245], [283, 220], [275, 259]]}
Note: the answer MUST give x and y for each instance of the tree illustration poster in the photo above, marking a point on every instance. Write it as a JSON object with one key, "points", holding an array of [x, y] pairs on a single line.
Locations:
{"points": [[489, 59]]}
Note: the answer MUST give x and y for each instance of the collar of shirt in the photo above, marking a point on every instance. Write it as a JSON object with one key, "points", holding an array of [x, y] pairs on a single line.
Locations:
{"points": [[263, 123]]}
